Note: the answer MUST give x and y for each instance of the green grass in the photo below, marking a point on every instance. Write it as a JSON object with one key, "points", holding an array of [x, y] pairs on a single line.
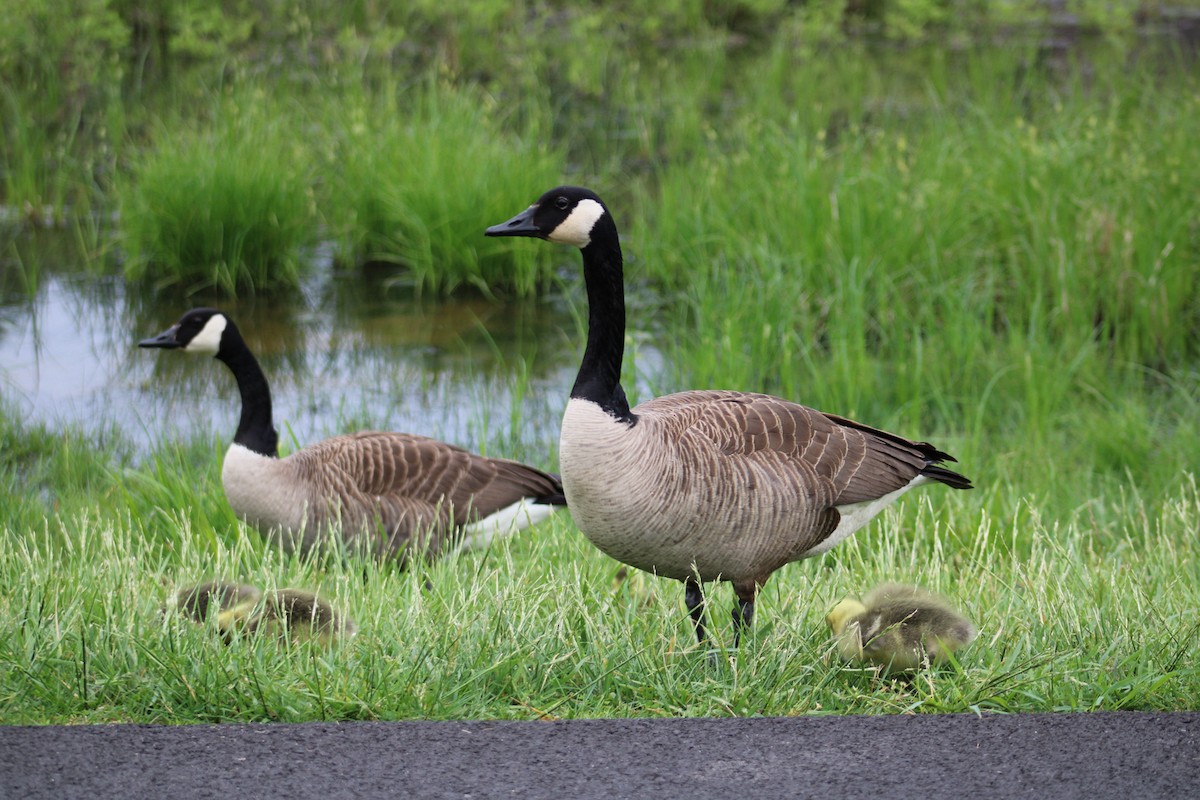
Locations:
{"points": [[1057, 219], [400, 178], [1012, 276], [415, 172], [229, 207], [1073, 615], [43, 468]]}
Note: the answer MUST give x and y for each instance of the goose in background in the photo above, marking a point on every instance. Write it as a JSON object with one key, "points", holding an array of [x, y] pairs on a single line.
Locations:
{"points": [[390, 494], [705, 485], [898, 627]]}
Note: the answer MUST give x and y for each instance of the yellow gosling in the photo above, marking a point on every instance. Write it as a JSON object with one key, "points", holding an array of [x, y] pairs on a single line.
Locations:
{"points": [[196, 602], [290, 614], [898, 627]]}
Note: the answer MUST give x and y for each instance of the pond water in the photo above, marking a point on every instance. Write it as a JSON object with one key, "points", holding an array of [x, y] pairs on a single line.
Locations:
{"points": [[343, 353]]}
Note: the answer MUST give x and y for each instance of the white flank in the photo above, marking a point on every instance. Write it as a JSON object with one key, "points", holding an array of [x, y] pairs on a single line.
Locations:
{"points": [[208, 340], [856, 515], [508, 520], [576, 229]]}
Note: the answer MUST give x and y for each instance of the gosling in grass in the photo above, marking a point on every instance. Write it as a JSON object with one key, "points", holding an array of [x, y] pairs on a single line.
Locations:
{"points": [[195, 602], [292, 614], [898, 627]]}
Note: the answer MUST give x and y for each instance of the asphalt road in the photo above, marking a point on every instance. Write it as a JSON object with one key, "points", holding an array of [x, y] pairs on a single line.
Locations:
{"points": [[1103, 755]]}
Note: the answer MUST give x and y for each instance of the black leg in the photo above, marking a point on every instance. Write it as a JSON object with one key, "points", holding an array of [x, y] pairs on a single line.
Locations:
{"points": [[693, 595], [743, 618], [743, 610]]}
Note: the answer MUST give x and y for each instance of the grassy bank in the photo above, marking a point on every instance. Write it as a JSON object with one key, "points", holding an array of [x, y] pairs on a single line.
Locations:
{"points": [[1093, 609]]}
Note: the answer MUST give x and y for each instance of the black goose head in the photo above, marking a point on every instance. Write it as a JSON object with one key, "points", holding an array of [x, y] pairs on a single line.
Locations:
{"points": [[565, 215], [201, 330], [577, 216], [208, 331]]}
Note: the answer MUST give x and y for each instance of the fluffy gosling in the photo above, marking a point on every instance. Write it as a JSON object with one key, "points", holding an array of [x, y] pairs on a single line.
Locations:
{"points": [[290, 614], [898, 627], [195, 602]]}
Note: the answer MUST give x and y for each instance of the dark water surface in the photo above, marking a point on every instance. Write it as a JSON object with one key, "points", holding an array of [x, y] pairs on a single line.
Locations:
{"points": [[343, 353]]}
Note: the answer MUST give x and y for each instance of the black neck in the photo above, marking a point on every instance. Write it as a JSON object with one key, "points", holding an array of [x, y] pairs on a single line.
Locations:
{"points": [[599, 378], [255, 431]]}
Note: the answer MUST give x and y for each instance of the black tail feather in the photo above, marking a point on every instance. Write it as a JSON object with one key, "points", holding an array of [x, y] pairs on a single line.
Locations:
{"points": [[556, 499], [946, 476]]}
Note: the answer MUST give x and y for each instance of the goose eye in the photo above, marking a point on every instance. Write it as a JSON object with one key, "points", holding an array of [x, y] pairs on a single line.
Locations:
{"points": [[562, 202]]}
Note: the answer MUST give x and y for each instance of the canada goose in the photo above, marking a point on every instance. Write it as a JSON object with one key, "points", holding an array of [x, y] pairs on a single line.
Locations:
{"points": [[898, 627], [292, 614], [195, 602], [705, 485], [387, 493]]}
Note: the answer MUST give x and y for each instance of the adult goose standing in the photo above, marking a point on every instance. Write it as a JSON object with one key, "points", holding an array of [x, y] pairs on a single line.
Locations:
{"points": [[390, 494], [705, 485]]}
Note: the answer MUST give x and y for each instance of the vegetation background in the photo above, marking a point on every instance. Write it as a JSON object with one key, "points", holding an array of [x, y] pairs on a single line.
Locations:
{"points": [[976, 223]]}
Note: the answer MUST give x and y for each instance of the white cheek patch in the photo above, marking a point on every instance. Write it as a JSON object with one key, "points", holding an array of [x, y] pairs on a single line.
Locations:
{"points": [[576, 229], [208, 340]]}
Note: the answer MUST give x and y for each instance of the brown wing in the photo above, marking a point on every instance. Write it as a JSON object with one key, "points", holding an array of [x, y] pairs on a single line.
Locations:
{"points": [[859, 463], [413, 480]]}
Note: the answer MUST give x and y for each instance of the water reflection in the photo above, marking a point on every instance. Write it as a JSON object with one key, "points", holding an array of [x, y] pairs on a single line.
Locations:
{"points": [[341, 354]]}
